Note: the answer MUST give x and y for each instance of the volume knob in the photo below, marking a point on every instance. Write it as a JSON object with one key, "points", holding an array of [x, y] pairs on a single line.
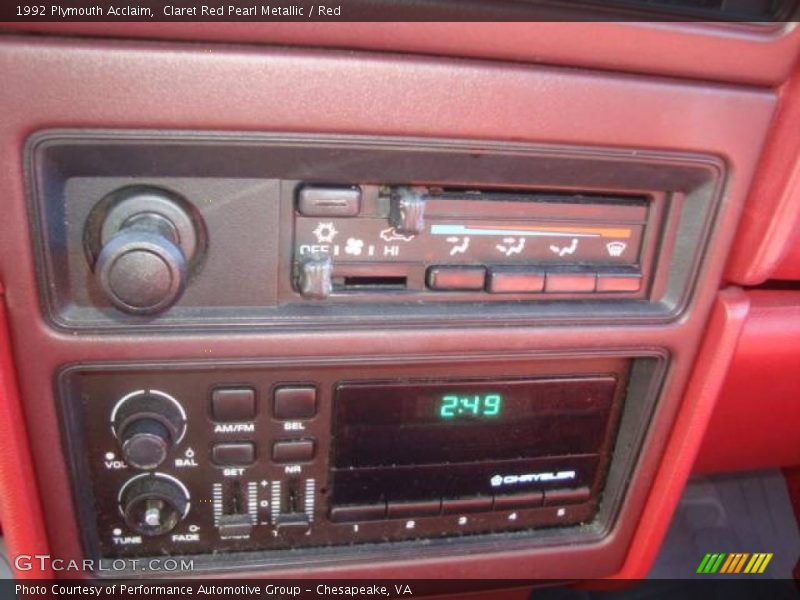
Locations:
{"points": [[147, 424]]}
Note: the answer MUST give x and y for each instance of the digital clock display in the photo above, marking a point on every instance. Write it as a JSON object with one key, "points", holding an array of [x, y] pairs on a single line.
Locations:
{"points": [[448, 422], [454, 405]]}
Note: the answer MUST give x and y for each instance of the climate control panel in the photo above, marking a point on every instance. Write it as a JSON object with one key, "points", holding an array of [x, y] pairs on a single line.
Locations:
{"points": [[169, 231], [370, 239], [201, 460]]}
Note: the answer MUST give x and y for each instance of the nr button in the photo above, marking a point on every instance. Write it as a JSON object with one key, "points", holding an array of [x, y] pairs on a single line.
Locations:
{"points": [[293, 451]]}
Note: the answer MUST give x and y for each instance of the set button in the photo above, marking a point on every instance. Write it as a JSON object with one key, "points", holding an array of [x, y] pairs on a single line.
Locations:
{"points": [[234, 454]]}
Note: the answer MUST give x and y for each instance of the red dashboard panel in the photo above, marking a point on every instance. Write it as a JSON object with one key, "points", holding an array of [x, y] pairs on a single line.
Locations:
{"points": [[729, 52], [18, 489], [756, 420]]}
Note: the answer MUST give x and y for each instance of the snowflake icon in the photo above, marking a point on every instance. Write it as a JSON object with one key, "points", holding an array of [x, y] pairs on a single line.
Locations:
{"points": [[325, 232]]}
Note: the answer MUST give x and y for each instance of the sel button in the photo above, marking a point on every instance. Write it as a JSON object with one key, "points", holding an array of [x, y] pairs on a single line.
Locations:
{"points": [[295, 402]]}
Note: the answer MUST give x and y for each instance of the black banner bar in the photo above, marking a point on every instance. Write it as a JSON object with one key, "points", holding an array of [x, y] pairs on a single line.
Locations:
{"points": [[50, 11]]}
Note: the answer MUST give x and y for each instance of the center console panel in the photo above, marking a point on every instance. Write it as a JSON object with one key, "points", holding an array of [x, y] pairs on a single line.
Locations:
{"points": [[164, 233]]}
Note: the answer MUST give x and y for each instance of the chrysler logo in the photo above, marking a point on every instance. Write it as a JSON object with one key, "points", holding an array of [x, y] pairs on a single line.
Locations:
{"points": [[500, 480]]}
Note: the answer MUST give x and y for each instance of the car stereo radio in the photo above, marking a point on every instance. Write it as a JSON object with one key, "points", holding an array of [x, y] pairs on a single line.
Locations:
{"points": [[198, 460]]}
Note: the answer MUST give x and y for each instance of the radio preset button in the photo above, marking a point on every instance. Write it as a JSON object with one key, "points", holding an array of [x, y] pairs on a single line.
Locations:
{"points": [[466, 505], [358, 512], [234, 454], [293, 451], [523, 500], [566, 496], [233, 404], [295, 402], [456, 278], [413, 508]]}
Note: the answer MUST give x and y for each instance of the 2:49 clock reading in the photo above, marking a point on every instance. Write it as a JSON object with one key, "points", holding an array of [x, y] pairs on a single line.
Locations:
{"points": [[453, 406]]}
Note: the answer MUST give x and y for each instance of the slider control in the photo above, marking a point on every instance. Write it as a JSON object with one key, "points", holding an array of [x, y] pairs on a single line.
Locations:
{"points": [[407, 211], [292, 519], [315, 277], [235, 522]]}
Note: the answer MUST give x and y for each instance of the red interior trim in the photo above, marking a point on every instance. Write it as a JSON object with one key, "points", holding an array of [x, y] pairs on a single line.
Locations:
{"points": [[20, 511], [755, 423], [724, 328]]}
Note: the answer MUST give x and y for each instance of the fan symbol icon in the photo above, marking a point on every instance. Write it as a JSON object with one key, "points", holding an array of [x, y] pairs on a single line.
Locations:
{"points": [[354, 246]]}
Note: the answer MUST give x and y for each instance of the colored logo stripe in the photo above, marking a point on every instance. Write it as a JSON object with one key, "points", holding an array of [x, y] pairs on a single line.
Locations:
{"points": [[734, 563]]}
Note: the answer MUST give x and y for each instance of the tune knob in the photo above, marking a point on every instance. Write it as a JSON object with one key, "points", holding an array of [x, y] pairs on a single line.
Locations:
{"points": [[142, 240], [147, 424], [153, 504]]}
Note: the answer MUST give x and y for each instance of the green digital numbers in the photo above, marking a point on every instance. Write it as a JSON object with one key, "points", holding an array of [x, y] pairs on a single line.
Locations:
{"points": [[492, 404], [452, 406], [448, 408]]}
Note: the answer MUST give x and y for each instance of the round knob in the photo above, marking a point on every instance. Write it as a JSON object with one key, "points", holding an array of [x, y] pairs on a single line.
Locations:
{"points": [[145, 443], [141, 273], [144, 243], [147, 425], [153, 504]]}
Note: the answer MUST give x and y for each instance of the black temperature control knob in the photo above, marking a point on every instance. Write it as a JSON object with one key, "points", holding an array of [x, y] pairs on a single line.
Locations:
{"points": [[147, 424], [153, 504], [143, 248]]}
